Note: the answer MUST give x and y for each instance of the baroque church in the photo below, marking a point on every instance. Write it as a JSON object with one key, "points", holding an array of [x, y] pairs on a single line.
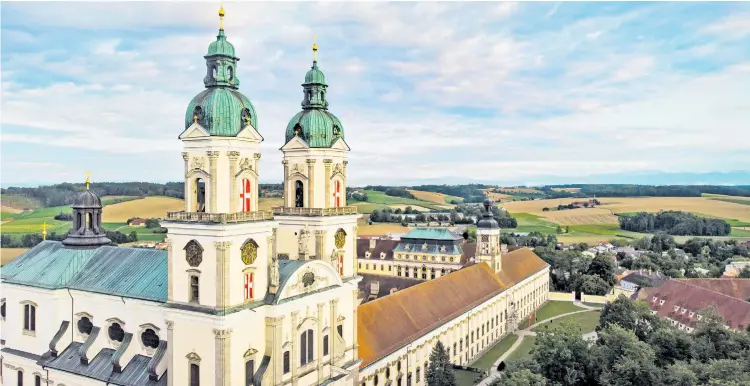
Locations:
{"points": [[243, 296]]}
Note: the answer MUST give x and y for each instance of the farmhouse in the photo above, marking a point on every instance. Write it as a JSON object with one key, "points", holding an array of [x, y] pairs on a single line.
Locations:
{"points": [[137, 222], [243, 296]]}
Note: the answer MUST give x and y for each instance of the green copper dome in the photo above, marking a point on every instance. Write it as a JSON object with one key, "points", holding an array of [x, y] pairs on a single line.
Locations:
{"points": [[221, 46], [318, 127], [315, 76], [221, 111]]}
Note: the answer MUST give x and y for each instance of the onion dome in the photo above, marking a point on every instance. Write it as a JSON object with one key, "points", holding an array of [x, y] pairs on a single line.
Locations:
{"points": [[488, 220], [221, 109], [317, 126], [87, 231]]}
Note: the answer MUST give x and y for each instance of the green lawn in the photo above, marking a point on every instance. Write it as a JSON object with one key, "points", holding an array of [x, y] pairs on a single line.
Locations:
{"points": [[597, 305], [549, 310], [736, 232], [489, 358], [464, 378], [532, 223], [524, 350], [738, 223], [448, 199], [587, 321], [367, 207], [375, 197]]}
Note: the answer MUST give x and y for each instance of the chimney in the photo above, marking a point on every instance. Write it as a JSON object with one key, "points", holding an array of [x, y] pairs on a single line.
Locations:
{"points": [[374, 288], [394, 289], [373, 241], [503, 248]]}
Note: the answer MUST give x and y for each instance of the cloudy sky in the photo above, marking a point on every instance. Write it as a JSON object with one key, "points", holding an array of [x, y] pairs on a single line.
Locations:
{"points": [[485, 91]]}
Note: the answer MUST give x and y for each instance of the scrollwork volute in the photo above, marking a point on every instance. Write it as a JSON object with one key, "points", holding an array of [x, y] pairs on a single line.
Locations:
{"points": [[197, 163]]}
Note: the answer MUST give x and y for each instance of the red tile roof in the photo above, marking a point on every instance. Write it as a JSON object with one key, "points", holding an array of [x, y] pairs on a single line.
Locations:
{"points": [[734, 287], [682, 294]]}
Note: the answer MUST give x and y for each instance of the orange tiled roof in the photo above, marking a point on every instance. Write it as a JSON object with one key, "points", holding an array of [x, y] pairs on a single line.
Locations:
{"points": [[384, 325], [734, 287]]}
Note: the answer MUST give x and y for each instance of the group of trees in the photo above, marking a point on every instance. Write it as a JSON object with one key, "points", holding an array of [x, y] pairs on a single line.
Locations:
{"points": [[62, 216], [32, 239], [571, 271], [675, 223], [625, 190], [471, 193], [356, 196], [635, 348], [65, 193], [663, 254]]}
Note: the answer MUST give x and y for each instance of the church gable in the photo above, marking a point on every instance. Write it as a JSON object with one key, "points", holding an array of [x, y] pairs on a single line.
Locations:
{"points": [[299, 277], [295, 143], [249, 132], [194, 131]]}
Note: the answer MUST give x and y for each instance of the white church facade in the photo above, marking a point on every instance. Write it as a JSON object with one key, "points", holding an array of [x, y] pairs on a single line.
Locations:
{"points": [[242, 296]]}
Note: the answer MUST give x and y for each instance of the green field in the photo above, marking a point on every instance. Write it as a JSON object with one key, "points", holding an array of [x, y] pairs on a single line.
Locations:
{"points": [[740, 201], [524, 350], [376, 197], [586, 321], [489, 358], [533, 223], [367, 207]]}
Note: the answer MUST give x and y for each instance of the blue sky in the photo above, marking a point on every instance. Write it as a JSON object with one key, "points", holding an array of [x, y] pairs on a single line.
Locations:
{"points": [[452, 90]]}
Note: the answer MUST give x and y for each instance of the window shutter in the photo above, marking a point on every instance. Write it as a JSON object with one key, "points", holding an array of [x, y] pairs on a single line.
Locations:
{"points": [[303, 348], [33, 318], [309, 345]]}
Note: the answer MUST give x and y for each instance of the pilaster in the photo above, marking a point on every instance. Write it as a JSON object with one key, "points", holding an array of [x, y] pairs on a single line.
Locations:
{"points": [[355, 346], [273, 349], [328, 202], [170, 350], [294, 353], [233, 158], [285, 191], [213, 156], [353, 248], [311, 183], [256, 182], [188, 197], [333, 306], [319, 333], [222, 273], [223, 361], [343, 188], [170, 264], [320, 244]]}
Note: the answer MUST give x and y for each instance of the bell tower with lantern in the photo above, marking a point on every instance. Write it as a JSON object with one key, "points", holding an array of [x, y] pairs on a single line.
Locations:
{"points": [[315, 178]]}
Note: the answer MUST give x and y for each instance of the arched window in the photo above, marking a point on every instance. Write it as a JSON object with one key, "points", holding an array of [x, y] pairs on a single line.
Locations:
{"points": [[37, 380], [306, 347], [287, 364], [29, 317], [230, 73], [195, 374], [299, 194], [418, 372], [213, 73], [79, 222], [20, 378], [200, 195], [89, 221]]}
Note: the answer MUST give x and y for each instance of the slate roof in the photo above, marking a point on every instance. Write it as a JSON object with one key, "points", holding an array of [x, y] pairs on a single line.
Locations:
{"points": [[387, 246], [136, 273], [643, 280], [386, 324], [100, 367], [694, 298], [386, 283]]}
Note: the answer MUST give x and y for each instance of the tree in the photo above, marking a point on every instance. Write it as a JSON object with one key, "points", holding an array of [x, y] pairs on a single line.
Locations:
{"points": [[440, 370], [745, 273], [524, 377], [592, 285], [623, 360], [602, 266], [562, 355], [634, 316]]}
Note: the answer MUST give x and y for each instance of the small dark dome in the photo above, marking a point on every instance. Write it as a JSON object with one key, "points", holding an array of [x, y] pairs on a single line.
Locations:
{"points": [[87, 200], [488, 220]]}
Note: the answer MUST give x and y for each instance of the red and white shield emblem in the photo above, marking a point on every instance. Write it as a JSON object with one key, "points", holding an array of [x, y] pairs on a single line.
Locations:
{"points": [[248, 286], [245, 195]]}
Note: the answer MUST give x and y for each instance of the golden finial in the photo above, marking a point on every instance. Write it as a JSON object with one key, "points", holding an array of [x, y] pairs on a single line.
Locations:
{"points": [[221, 17], [195, 118], [88, 180], [44, 231], [315, 47]]}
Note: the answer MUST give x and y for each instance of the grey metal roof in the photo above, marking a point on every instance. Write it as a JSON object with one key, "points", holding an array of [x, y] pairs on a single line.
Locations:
{"points": [[136, 273], [100, 368]]}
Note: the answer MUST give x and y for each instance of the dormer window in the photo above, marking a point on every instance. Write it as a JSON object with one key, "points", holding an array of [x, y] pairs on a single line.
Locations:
{"points": [[382, 255], [692, 314], [424, 246], [676, 308], [654, 299], [367, 255], [661, 302], [700, 317]]}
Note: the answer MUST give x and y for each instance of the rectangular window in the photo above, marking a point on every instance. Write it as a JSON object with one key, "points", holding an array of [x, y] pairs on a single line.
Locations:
{"points": [[29, 317], [26, 317], [325, 345], [286, 362], [309, 346], [249, 372], [340, 330], [303, 349], [195, 374], [194, 293]]}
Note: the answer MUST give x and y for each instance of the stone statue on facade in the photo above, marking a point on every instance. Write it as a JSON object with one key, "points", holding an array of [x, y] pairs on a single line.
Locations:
{"points": [[304, 241], [273, 275]]}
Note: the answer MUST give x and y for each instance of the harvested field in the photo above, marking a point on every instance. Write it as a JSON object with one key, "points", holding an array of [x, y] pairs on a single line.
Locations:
{"points": [[381, 229], [438, 198], [497, 196], [267, 203], [569, 190], [415, 207], [612, 205], [8, 254], [149, 207], [581, 216], [8, 209]]}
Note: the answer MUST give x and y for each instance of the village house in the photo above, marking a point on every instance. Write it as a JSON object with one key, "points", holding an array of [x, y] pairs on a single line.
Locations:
{"points": [[137, 222]]}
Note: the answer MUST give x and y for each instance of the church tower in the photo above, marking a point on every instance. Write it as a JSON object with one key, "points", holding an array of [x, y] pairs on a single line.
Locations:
{"points": [[221, 141], [314, 221], [488, 239]]}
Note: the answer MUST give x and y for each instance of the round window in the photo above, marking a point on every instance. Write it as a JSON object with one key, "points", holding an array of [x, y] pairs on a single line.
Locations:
{"points": [[85, 326], [149, 338], [116, 332]]}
